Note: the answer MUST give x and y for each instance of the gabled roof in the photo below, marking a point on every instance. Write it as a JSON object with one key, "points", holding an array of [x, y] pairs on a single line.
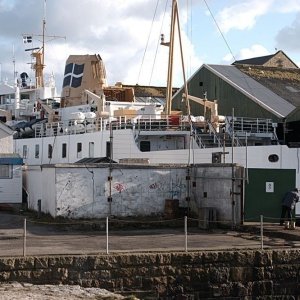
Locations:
{"points": [[254, 90], [263, 60], [251, 88], [254, 60]]}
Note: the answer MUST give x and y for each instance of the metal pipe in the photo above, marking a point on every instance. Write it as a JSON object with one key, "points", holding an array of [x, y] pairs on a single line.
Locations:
{"points": [[106, 235], [185, 234]]}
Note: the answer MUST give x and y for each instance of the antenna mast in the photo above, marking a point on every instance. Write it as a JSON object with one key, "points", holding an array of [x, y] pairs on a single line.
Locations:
{"points": [[39, 53]]}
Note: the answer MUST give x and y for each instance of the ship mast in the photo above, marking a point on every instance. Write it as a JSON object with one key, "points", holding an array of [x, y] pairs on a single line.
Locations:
{"points": [[39, 53], [174, 22]]}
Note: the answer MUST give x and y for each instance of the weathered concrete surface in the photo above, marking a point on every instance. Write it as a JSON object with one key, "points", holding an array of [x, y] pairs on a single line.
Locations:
{"points": [[27, 291]]}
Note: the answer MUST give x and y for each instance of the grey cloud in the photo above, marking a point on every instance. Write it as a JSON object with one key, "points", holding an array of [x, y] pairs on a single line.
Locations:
{"points": [[288, 37]]}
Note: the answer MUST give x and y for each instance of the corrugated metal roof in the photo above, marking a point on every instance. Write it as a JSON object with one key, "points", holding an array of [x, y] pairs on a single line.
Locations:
{"points": [[253, 89]]}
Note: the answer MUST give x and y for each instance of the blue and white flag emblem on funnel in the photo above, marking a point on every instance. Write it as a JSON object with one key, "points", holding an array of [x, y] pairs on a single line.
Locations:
{"points": [[73, 75]]}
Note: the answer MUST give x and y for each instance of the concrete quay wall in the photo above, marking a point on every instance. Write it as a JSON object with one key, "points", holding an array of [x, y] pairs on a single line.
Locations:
{"points": [[204, 274]]}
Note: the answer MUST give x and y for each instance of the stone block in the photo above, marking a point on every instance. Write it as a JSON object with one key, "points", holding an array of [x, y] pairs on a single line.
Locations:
{"points": [[7, 264], [60, 261], [41, 262], [24, 263], [263, 258], [241, 274], [219, 275]]}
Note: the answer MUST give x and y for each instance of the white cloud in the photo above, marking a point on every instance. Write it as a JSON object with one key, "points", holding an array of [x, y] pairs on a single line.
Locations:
{"points": [[245, 53], [121, 43], [242, 15], [287, 6]]}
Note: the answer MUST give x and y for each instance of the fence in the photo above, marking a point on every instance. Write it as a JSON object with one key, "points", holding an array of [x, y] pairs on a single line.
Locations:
{"points": [[20, 236]]}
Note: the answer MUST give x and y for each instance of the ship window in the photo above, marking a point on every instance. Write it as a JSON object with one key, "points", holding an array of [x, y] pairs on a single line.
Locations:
{"points": [[50, 150], [273, 158], [145, 146], [37, 151], [25, 151], [64, 150], [79, 150], [5, 171], [91, 149], [108, 149]]}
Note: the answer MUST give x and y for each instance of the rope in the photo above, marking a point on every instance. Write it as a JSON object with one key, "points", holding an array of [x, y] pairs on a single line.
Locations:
{"points": [[158, 43], [148, 41]]}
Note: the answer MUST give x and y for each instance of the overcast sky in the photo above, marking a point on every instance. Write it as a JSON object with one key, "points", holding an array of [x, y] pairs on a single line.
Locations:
{"points": [[119, 30]]}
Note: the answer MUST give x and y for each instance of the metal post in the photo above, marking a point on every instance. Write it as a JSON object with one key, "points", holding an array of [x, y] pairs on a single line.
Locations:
{"points": [[262, 231], [24, 238], [232, 174], [106, 235], [39, 207], [185, 233]]}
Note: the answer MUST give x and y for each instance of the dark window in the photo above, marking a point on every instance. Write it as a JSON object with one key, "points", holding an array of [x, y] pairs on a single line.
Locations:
{"points": [[201, 83], [145, 146], [273, 158], [64, 150], [50, 150], [37, 151], [5, 171], [108, 149], [25, 151], [79, 150]]}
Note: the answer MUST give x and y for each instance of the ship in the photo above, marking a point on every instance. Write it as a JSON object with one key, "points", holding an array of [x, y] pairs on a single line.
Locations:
{"points": [[94, 122]]}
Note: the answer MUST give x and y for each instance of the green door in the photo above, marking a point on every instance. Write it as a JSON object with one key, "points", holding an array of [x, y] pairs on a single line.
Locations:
{"points": [[264, 192]]}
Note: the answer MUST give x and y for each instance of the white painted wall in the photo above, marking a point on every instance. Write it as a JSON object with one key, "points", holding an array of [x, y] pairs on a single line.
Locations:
{"points": [[83, 192], [11, 188], [78, 191], [6, 144], [40, 184]]}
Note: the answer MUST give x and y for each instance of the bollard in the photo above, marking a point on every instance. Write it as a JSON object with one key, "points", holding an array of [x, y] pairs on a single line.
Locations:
{"points": [[262, 231]]}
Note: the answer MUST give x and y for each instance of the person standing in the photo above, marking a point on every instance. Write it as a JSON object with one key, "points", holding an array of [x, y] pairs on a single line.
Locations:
{"points": [[288, 204]]}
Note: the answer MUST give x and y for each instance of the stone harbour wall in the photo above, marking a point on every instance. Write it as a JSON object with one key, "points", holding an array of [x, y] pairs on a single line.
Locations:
{"points": [[268, 274]]}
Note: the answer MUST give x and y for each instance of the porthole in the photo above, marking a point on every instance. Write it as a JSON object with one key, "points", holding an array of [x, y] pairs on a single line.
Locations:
{"points": [[273, 158]]}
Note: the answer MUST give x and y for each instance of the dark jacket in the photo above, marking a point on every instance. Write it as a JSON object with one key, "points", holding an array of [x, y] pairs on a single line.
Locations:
{"points": [[290, 199]]}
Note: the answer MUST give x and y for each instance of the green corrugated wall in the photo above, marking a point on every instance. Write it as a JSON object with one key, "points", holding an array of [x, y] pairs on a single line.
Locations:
{"points": [[258, 201], [228, 97]]}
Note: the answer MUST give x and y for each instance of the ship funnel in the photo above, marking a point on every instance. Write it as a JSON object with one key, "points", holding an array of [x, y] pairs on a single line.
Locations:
{"points": [[82, 72]]}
